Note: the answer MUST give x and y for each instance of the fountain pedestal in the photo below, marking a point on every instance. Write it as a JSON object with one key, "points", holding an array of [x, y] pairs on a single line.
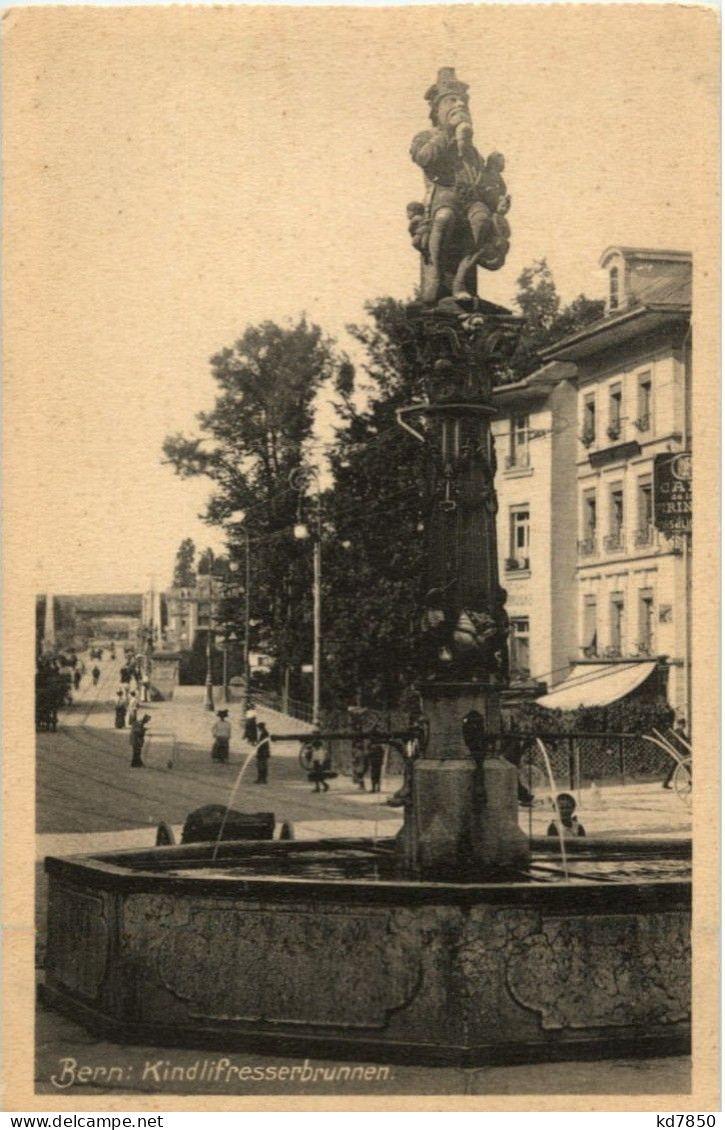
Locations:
{"points": [[463, 810]]}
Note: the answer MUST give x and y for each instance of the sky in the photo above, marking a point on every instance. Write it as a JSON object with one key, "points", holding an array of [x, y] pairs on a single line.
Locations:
{"points": [[175, 174]]}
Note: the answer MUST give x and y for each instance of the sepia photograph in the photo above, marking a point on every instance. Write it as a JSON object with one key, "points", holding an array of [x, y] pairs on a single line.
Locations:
{"points": [[361, 619]]}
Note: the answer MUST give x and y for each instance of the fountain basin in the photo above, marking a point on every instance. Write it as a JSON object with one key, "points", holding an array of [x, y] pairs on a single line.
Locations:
{"points": [[319, 948]]}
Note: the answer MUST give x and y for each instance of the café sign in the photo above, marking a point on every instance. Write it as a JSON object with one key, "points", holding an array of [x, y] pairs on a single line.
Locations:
{"points": [[673, 492]]}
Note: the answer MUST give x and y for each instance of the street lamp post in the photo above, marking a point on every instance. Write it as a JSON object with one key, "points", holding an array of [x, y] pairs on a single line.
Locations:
{"points": [[299, 479], [238, 517], [209, 682]]}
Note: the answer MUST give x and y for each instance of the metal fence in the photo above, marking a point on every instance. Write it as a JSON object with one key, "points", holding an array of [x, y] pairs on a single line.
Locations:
{"points": [[580, 759]]}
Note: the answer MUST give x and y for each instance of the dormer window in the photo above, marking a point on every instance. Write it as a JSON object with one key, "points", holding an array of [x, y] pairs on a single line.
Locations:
{"points": [[614, 288]]}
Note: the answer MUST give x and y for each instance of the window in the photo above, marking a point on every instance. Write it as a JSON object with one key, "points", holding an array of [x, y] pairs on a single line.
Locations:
{"points": [[589, 423], [589, 626], [644, 534], [519, 647], [644, 402], [616, 627], [519, 539], [614, 288], [646, 622], [615, 539], [587, 544], [519, 442], [615, 411]]}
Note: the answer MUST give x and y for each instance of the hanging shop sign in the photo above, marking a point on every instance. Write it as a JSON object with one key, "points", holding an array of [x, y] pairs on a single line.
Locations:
{"points": [[673, 492]]}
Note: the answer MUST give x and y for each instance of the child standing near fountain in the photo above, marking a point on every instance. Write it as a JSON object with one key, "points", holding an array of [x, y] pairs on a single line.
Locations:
{"points": [[570, 826]]}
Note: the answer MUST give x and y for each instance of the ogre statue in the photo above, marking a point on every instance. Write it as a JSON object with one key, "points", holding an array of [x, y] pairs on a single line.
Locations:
{"points": [[462, 223]]}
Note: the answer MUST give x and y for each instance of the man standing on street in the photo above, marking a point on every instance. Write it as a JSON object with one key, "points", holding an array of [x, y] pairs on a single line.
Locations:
{"points": [[263, 754], [137, 739]]}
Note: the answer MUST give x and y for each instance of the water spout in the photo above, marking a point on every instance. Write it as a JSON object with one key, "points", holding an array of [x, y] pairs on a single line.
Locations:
{"points": [[559, 826], [230, 802]]}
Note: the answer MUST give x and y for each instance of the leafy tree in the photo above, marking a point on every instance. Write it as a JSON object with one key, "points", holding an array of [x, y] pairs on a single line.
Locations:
{"points": [[546, 322], [372, 554], [250, 443], [184, 564]]}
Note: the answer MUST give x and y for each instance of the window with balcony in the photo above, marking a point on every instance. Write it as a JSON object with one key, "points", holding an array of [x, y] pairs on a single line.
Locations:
{"points": [[589, 627], [589, 420], [519, 647], [644, 534], [646, 640], [518, 540], [614, 288], [614, 429], [518, 453], [588, 541], [643, 422], [616, 624], [615, 538]]}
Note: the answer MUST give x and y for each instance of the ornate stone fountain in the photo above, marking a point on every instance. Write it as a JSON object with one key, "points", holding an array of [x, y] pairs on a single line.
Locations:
{"points": [[460, 941]]}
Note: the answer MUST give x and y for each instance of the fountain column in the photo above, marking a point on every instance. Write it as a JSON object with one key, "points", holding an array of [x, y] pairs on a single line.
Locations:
{"points": [[462, 807]]}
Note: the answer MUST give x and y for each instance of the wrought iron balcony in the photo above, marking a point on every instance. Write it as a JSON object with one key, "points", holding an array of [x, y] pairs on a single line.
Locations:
{"points": [[515, 563], [644, 647], [614, 542], [518, 459], [587, 546], [614, 651], [590, 651], [644, 536], [614, 430], [642, 423], [587, 437]]}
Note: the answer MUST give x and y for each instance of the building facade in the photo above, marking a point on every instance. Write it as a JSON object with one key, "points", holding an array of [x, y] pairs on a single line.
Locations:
{"points": [[536, 441], [191, 609], [633, 403]]}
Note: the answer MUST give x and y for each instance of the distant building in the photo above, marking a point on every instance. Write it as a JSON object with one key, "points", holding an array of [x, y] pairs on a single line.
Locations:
{"points": [[191, 608], [82, 616], [535, 432], [633, 401]]}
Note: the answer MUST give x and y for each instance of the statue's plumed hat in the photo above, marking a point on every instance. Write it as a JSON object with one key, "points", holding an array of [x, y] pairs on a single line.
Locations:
{"points": [[446, 83]]}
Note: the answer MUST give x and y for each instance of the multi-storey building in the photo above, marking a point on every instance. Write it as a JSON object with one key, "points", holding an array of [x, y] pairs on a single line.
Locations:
{"points": [[634, 376], [536, 440], [191, 609]]}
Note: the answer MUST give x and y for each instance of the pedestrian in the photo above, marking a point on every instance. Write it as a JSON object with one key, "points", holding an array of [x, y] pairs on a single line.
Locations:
{"points": [[145, 684], [132, 709], [137, 739], [96, 673], [221, 732], [251, 725], [567, 822], [319, 763], [120, 708], [125, 675], [376, 756], [263, 754], [76, 677], [359, 764]]}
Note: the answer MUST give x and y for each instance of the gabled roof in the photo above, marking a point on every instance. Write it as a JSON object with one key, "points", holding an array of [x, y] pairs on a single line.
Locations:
{"points": [[656, 302], [536, 385]]}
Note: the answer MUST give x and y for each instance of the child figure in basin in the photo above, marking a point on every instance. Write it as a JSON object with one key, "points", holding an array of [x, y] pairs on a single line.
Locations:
{"points": [[570, 826]]}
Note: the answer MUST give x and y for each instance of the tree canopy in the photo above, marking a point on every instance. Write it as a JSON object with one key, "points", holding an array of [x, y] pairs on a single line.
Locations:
{"points": [[249, 445], [184, 572]]}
